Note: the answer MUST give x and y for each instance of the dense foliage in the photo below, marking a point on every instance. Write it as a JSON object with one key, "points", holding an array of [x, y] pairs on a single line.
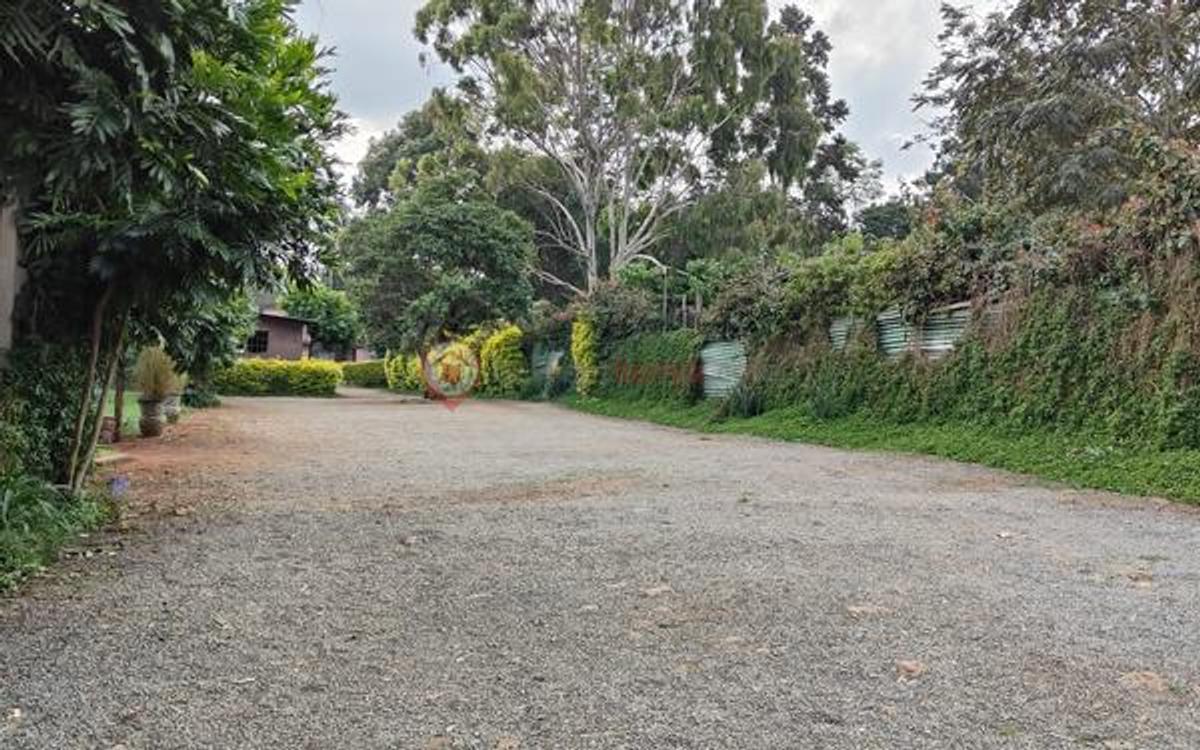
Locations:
{"points": [[162, 154], [279, 377], [35, 521], [585, 357], [333, 318], [661, 366], [435, 266], [39, 405], [504, 368], [365, 374], [634, 105]]}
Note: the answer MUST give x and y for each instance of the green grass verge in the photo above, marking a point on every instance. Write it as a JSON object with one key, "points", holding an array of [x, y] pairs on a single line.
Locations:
{"points": [[36, 521], [131, 414], [1076, 459]]}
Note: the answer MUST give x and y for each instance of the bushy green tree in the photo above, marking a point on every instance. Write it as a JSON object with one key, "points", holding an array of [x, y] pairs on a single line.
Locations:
{"points": [[1040, 100], [332, 315], [631, 101], [892, 219], [158, 150], [434, 267]]}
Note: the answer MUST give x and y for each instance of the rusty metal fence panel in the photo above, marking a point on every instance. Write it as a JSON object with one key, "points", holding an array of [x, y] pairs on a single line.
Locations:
{"points": [[723, 364]]}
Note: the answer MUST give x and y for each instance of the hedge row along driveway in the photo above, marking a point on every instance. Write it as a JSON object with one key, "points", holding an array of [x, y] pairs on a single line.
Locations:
{"points": [[376, 571]]}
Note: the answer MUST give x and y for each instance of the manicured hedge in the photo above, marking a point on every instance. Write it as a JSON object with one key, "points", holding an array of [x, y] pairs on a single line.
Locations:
{"points": [[365, 374], [279, 377], [403, 373]]}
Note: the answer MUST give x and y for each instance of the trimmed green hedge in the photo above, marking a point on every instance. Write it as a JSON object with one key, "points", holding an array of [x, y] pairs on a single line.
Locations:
{"points": [[365, 374], [403, 373], [279, 377], [656, 366]]}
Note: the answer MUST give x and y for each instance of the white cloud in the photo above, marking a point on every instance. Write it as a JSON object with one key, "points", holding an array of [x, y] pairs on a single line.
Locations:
{"points": [[352, 147]]}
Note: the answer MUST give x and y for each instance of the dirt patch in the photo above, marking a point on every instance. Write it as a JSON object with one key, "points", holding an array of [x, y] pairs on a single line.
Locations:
{"points": [[567, 488], [161, 473]]}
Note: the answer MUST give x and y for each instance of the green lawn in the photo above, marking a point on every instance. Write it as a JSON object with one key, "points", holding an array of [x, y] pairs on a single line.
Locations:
{"points": [[131, 415], [1078, 460]]}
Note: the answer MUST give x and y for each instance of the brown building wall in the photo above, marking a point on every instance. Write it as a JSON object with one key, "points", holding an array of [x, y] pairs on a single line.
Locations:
{"points": [[11, 274], [286, 338]]}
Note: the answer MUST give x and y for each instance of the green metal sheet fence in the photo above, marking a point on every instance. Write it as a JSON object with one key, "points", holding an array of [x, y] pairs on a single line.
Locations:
{"points": [[935, 337], [723, 364]]}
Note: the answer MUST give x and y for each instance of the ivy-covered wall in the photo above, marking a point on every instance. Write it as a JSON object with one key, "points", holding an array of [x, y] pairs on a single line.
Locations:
{"points": [[1074, 359]]}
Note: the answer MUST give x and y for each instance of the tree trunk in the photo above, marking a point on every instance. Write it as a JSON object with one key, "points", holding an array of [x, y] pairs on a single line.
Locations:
{"points": [[119, 396], [89, 383], [81, 473]]}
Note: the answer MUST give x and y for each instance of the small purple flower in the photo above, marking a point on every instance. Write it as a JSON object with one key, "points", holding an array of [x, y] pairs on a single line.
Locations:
{"points": [[118, 485]]}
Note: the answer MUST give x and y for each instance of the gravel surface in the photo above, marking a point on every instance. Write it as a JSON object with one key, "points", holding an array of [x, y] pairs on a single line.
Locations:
{"points": [[375, 572]]}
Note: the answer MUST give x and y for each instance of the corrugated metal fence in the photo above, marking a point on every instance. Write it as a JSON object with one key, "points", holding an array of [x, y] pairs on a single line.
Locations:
{"points": [[543, 363], [723, 364], [935, 336]]}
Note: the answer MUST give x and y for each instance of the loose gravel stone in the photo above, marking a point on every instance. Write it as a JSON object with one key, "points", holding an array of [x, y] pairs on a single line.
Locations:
{"points": [[379, 572]]}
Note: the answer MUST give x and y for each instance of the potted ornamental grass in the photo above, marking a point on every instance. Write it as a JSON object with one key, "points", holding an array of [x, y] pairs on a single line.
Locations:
{"points": [[154, 377], [171, 404]]}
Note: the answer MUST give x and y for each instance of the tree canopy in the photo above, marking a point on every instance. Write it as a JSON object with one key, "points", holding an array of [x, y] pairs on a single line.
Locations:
{"points": [[637, 103], [1040, 101], [433, 267], [334, 320], [159, 150]]}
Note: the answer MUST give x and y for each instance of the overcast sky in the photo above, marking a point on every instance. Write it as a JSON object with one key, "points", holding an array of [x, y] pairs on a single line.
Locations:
{"points": [[881, 51]]}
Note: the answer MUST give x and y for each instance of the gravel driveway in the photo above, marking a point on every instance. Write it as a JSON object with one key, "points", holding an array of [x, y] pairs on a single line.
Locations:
{"points": [[375, 572]]}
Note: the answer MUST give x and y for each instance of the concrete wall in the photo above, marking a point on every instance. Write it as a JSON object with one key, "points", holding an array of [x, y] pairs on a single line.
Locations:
{"points": [[11, 275]]}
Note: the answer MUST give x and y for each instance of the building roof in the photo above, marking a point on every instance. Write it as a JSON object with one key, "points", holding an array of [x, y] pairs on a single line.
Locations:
{"points": [[273, 312]]}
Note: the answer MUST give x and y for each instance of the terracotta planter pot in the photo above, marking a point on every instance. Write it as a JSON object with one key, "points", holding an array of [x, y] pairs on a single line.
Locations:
{"points": [[152, 417], [170, 408]]}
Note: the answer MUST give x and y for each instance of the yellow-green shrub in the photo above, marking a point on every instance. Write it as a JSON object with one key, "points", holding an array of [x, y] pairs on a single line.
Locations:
{"points": [[502, 362], [365, 374], [584, 355], [279, 377], [403, 373]]}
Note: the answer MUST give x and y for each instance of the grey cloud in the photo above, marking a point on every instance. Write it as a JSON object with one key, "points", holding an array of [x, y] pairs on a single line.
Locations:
{"points": [[377, 70]]}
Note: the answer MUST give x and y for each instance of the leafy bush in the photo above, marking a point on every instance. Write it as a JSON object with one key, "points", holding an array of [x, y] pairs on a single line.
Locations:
{"points": [[585, 357], [744, 401], [35, 520], [656, 365], [618, 312], [39, 400], [750, 306], [403, 373], [279, 377], [504, 369], [365, 374], [334, 321]]}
